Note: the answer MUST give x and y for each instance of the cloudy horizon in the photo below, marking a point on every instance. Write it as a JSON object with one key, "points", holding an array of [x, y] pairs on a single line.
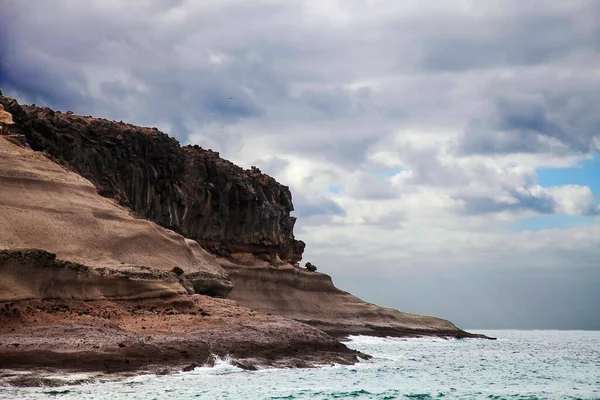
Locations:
{"points": [[443, 159]]}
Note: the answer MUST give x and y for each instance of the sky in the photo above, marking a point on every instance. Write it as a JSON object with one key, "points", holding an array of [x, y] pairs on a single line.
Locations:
{"points": [[442, 155]]}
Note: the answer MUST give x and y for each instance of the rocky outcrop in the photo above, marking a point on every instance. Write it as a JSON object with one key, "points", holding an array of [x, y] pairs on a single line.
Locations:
{"points": [[44, 206], [84, 285], [187, 189], [154, 334], [310, 267], [311, 297], [231, 210], [5, 119], [33, 274]]}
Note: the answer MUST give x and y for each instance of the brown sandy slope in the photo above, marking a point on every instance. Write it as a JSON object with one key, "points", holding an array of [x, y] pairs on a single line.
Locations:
{"points": [[311, 297], [44, 206]]}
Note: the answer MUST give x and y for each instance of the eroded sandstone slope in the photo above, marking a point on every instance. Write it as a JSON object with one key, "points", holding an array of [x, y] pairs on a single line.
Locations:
{"points": [[44, 206], [311, 297], [84, 285]]}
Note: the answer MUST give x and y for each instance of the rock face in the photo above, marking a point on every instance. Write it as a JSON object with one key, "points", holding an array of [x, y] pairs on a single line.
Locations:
{"points": [[84, 285], [187, 189], [44, 206], [232, 210]]}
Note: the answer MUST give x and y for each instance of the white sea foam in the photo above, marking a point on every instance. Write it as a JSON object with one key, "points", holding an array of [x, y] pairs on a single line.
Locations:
{"points": [[222, 366]]}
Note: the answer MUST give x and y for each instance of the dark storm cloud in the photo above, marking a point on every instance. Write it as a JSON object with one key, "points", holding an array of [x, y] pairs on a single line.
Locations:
{"points": [[512, 34], [539, 122], [63, 90], [55, 52], [537, 200], [519, 200]]}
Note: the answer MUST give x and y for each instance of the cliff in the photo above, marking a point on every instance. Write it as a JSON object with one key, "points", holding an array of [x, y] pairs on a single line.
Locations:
{"points": [[98, 215], [44, 206], [187, 189], [85, 285]]}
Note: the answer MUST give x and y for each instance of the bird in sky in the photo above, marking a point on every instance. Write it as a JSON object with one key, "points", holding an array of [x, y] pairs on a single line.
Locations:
{"points": [[230, 98]]}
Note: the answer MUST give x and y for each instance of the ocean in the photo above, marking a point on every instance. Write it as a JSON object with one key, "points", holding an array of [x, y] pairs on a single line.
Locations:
{"points": [[519, 365]]}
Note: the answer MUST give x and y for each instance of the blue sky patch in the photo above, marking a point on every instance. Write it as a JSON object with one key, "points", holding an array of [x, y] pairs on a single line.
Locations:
{"points": [[588, 174], [335, 189]]}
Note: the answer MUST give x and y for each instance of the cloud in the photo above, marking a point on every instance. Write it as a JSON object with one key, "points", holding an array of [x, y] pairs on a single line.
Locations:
{"points": [[312, 207], [569, 200], [520, 199], [546, 121]]}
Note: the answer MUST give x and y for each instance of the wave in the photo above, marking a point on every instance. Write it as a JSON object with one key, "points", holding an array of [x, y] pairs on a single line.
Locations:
{"points": [[221, 366]]}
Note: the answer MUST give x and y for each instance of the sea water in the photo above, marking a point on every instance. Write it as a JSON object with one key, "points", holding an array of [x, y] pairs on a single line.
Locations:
{"points": [[519, 365]]}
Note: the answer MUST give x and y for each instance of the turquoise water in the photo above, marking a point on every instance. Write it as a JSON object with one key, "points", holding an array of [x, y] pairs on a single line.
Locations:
{"points": [[520, 365]]}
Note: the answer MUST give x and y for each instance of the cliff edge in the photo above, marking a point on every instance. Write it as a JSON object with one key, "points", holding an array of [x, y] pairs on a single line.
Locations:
{"points": [[85, 285]]}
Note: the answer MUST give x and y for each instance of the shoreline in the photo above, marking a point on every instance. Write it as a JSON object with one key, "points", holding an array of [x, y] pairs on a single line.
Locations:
{"points": [[55, 377], [118, 339], [154, 334], [343, 332]]}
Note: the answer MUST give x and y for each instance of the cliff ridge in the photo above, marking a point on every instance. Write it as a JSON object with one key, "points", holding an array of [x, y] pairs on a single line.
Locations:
{"points": [[188, 189]]}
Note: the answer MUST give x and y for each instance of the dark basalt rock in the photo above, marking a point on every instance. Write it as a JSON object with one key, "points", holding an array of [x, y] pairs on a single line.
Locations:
{"points": [[187, 189]]}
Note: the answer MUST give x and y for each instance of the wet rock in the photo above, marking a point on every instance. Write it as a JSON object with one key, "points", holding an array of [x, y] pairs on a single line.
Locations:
{"points": [[245, 365], [190, 367]]}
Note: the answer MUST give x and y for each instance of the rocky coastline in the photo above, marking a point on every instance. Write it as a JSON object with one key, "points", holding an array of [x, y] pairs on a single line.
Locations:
{"points": [[121, 250]]}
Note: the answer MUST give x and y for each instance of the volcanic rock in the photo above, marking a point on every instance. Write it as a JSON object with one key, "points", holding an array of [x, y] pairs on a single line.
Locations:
{"points": [[188, 189]]}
